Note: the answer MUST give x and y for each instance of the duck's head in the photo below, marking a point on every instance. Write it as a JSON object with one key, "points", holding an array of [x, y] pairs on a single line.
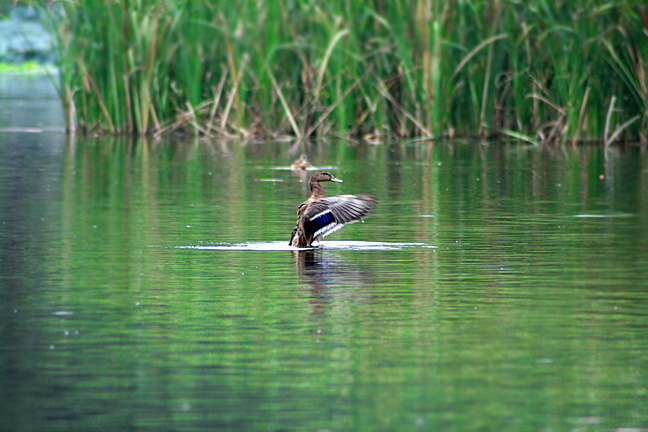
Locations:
{"points": [[324, 176]]}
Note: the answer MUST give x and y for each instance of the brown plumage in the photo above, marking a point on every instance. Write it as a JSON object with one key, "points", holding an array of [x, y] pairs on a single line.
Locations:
{"points": [[301, 163], [319, 216]]}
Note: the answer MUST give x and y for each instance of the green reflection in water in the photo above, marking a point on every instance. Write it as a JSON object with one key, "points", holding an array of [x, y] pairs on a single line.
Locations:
{"points": [[528, 313]]}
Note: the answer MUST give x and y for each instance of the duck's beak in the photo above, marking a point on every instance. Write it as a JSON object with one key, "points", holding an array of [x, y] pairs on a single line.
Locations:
{"points": [[336, 180]]}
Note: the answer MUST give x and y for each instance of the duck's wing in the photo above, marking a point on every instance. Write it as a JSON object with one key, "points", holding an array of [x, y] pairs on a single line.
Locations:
{"points": [[327, 215]]}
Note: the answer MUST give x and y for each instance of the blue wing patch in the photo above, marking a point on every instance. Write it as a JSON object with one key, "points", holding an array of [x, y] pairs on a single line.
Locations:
{"points": [[319, 223]]}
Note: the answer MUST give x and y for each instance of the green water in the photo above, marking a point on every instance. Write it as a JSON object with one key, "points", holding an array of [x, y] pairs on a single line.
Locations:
{"points": [[146, 287]]}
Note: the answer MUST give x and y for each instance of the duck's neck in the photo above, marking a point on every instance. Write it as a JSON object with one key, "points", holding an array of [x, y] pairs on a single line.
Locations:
{"points": [[317, 191]]}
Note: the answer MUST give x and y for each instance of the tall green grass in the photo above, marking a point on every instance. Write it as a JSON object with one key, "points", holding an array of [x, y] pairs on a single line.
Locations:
{"points": [[540, 70]]}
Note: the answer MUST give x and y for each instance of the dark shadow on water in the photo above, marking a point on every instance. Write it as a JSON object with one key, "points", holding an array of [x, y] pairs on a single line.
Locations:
{"points": [[326, 277], [321, 268]]}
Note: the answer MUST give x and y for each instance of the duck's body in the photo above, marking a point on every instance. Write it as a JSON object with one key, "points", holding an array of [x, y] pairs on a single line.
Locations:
{"points": [[301, 163], [319, 216]]}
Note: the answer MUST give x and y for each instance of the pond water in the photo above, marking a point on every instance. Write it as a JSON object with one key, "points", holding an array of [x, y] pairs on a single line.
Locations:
{"points": [[149, 286]]}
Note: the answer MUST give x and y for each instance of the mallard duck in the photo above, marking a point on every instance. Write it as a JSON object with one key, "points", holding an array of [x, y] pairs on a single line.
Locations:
{"points": [[301, 163], [319, 216]]}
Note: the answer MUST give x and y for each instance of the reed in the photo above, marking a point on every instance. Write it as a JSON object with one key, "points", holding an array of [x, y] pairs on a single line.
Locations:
{"points": [[543, 71]]}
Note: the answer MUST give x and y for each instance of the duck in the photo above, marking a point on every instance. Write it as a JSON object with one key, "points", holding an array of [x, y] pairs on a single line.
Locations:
{"points": [[320, 215], [301, 163]]}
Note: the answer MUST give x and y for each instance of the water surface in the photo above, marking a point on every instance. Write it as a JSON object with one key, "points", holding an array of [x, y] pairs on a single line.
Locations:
{"points": [[149, 286]]}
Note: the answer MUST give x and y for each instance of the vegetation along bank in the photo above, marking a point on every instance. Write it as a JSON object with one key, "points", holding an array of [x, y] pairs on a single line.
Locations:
{"points": [[541, 71]]}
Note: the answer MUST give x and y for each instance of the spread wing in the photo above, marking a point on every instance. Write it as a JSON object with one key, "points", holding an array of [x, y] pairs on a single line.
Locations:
{"points": [[327, 215]]}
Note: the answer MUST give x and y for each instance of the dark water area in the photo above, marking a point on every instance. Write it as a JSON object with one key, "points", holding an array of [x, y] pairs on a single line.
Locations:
{"points": [[149, 286]]}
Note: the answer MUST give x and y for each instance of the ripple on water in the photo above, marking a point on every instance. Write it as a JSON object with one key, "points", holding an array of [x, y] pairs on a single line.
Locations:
{"points": [[604, 216], [328, 245], [288, 168]]}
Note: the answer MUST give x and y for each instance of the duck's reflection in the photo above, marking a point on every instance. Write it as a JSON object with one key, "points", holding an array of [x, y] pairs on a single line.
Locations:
{"points": [[303, 176], [327, 278]]}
